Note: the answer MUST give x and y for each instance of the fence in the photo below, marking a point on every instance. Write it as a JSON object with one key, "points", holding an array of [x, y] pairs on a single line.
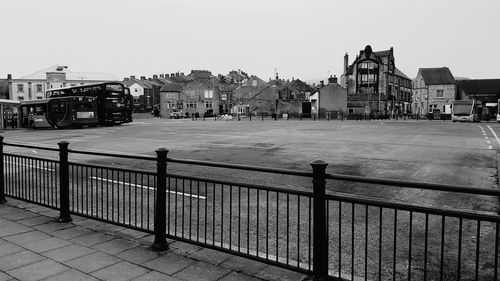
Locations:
{"points": [[323, 234]]}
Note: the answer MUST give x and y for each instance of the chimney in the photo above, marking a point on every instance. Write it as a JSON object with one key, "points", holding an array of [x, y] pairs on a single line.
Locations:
{"points": [[155, 77], [172, 74], [332, 80], [321, 83], [125, 79], [132, 76], [143, 77], [346, 62], [177, 74], [167, 75], [182, 73], [150, 79], [9, 76]]}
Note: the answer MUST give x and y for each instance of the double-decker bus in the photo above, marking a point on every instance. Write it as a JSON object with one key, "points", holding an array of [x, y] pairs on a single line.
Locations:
{"points": [[464, 111], [59, 112], [114, 105]]}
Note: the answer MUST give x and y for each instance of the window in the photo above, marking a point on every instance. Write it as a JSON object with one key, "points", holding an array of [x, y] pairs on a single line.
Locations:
{"points": [[208, 104], [20, 98], [135, 90], [39, 88], [209, 94], [20, 88], [191, 94], [39, 98], [440, 94]]}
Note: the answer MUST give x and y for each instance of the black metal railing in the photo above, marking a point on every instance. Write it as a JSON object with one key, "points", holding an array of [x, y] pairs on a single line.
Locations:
{"points": [[318, 232]]}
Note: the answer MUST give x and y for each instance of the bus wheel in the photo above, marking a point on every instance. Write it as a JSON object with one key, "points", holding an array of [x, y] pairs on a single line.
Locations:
{"points": [[54, 126]]}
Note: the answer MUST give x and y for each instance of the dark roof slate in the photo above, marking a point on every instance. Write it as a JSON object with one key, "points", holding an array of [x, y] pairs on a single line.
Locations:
{"points": [[171, 87], [437, 76], [480, 86]]}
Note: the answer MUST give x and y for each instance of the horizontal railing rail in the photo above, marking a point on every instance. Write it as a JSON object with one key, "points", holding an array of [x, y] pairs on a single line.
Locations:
{"points": [[312, 229]]}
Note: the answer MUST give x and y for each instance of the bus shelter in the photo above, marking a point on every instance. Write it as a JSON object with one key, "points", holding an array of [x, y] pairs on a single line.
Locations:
{"points": [[9, 113]]}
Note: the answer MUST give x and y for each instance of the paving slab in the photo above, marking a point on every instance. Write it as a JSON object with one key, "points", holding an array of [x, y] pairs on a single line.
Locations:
{"points": [[71, 232], [246, 266], [183, 248], [35, 221], [169, 263], [68, 252], [45, 245], [235, 276], [92, 262], [52, 226], [5, 277], [115, 246], [13, 228], [156, 276], [19, 259], [27, 237], [138, 254], [93, 238], [210, 256], [202, 271], [20, 216], [7, 248], [38, 270], [71, 275], [6, 209], [120, 271], [274, 273]]}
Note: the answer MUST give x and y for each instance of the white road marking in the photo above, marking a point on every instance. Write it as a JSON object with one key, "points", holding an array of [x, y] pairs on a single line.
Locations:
{"points": [[148, 187], [485, 137], [494, 134], [30, 166]]}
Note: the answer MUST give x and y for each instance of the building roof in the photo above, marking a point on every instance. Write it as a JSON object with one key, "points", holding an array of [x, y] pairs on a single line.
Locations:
{"points": [[70, 75], [480, 86], [400, 73], [171, 87], [437, 76]]}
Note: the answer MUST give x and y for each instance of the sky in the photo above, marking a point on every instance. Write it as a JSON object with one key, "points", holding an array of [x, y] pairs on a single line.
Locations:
{"points": [[298, 39]]}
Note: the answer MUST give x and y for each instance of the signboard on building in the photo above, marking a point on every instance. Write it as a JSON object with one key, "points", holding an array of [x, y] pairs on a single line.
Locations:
{"points": [[56, 77], [223, 96]]}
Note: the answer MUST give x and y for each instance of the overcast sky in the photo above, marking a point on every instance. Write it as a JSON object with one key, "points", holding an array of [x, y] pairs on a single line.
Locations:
{"points": [[302, 39]]}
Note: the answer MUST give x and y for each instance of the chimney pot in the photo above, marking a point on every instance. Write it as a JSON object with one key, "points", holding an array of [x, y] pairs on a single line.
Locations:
{"points": [[143, 77], [132, 76], [9, 76], [172, 74], [155, 76], [322, 83]]}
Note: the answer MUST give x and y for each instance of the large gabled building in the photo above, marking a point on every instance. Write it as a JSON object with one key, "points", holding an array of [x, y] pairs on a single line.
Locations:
{"points": [[375, 85], [434, 89]]}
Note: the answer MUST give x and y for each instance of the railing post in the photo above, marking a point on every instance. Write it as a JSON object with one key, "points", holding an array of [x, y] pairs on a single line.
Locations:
{"points": [[2, 182], [160, 228], [64, 215], [320, 239]]}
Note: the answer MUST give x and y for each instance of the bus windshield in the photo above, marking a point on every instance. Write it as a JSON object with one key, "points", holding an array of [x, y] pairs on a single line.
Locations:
{"points": [[462, 109]]}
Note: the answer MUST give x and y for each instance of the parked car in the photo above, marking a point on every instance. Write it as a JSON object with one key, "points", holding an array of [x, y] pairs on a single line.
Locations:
{"points": [[176, 115]]}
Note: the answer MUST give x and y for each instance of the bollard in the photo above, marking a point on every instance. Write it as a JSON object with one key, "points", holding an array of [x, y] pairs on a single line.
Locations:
{"points": [[250, 116], [160, 226], [2, 176], [215, 117], [320, 239], [64, 214]]}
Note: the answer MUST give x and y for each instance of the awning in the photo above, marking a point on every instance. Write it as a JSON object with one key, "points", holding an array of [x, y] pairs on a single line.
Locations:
{"points": [[491, 104]]}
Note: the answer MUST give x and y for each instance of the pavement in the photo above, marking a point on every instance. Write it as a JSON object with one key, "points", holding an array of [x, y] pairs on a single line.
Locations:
{"points": [[34, 246]]}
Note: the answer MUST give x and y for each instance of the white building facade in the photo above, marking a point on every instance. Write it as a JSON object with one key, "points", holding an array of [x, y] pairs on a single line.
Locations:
{"points": [[34, 86]]}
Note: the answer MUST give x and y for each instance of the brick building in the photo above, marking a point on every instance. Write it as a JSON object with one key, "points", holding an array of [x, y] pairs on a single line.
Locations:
{"points": [[374, 83]]}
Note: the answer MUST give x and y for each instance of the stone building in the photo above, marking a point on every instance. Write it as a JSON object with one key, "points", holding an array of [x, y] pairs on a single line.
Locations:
{"points": [[374, 83], [433, 89], [33, 86], [329, 100], [485, 92]]}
